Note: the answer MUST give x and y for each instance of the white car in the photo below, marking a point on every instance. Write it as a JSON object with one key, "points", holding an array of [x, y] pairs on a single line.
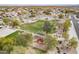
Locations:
{"points": [[76, 17], [1, 26], [78, 22]]}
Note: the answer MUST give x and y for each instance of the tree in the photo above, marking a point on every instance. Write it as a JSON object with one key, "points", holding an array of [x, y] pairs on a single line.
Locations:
{"points": [[53, 26], [66, 11], [61, 15], [65, 35], [66, 25], [47, 12], [47, 27], [6, 20], [15, 23], [73, 42], [33, 13], [24, 39], [18, 50], [6, 44], [50, 42]]}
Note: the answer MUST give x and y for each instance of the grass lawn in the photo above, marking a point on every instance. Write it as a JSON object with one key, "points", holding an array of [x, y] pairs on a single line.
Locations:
{"points": [[35, 27], [12, 35]]}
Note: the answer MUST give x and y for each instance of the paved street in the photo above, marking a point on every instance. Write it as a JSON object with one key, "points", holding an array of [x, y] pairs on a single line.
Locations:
{"points": [[76, 25]]}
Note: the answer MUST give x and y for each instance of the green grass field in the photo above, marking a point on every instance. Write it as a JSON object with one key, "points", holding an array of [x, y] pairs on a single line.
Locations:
{"points": [[12, 35], [35, 27]]}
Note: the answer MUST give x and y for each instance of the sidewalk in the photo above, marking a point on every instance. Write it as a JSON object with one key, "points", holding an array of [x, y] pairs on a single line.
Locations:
{"points": [[72, 33], [6, 31]]}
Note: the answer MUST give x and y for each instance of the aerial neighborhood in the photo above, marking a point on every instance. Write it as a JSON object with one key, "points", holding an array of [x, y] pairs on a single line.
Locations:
{"points": [[39, 30]]}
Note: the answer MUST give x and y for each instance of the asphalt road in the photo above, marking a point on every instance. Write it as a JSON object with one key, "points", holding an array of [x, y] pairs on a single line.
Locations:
{"points": [[76, 25]]}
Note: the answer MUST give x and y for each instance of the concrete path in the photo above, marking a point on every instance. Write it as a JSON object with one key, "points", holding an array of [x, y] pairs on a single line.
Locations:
{"points": [[6, 31]]}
